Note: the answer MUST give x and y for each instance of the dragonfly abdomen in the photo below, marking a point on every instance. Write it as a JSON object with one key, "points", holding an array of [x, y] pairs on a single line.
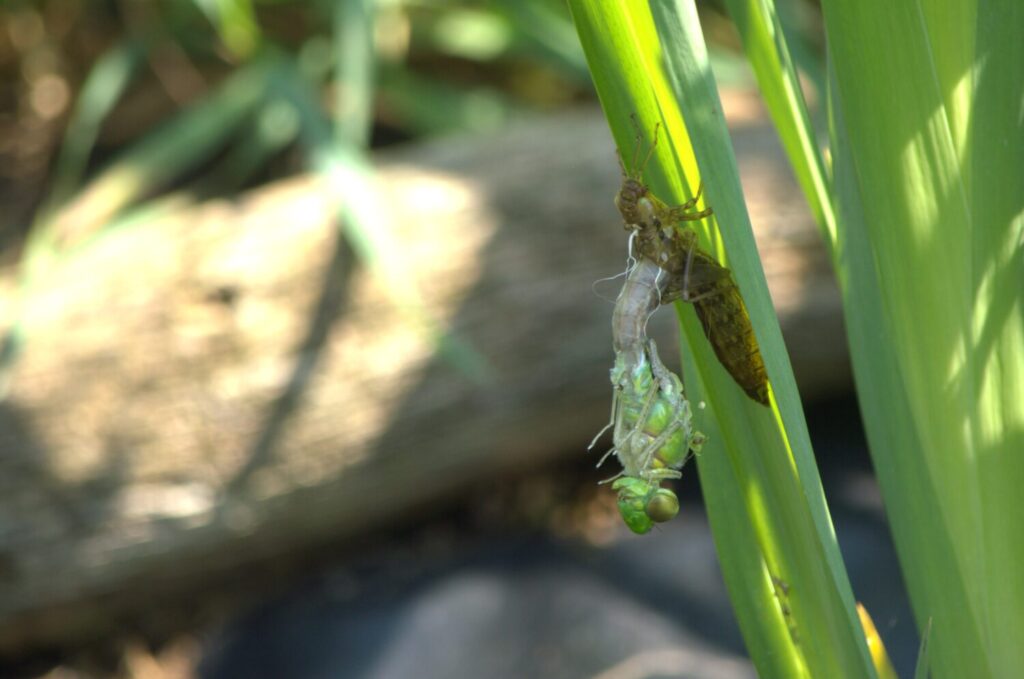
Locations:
{"points": [[639, 298], [729, 330]]}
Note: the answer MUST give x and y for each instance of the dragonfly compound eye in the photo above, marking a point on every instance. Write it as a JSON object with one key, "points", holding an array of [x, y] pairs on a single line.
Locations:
{"points": [[633, 494], [662, 506]]}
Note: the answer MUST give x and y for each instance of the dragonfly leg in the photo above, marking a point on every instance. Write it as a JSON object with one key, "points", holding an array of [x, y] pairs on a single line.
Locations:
{"points": [[634, 405], [678, 422], [650, 151], [679, 214], [684, 212], [672, 390], [612, 478], [705, 295], [691, 245], [607, 454], [641, 420], [716, 286], [638, 170], [611, 421], [605, 428], [663, 474]]}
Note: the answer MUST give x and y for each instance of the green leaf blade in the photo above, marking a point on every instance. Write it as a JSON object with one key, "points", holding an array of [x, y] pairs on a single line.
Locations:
{"points": [[930, 141], [760, 460]]}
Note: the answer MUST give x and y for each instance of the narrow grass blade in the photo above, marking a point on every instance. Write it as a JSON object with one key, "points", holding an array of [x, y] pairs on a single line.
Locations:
{"points": [[761, 463], [191, 137], [549, 30], [353, 68], [101, 90], [765, 45], [883, 665], [367, 224], [760, 612]]}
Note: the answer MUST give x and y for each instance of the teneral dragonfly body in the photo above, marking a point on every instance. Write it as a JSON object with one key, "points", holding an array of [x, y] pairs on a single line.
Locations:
{"points": [[653, 437], [652, 427]]}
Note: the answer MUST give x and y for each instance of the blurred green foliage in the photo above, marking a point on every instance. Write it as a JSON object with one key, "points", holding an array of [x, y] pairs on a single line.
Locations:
{"points": [[127, 101], [109, 108], [436, 65]]}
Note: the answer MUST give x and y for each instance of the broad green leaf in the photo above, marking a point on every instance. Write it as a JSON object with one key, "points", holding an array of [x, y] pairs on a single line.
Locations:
{"points": [[765, 46], [929, 153]]}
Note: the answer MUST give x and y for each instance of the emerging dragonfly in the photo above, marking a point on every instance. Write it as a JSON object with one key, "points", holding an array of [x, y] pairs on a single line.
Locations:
{"points": [[653, 433], [692, 274], [653, 437]]}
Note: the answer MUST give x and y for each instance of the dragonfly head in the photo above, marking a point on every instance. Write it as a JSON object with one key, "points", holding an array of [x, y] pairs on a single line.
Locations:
{"points": [[643, 503], [633, 203]]}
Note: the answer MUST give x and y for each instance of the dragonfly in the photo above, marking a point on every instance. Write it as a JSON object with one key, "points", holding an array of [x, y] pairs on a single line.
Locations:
{"points": [[692, 274], [652, 433]]}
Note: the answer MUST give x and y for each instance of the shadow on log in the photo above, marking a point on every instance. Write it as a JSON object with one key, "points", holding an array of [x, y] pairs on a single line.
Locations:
{"points": [[226, 383]]}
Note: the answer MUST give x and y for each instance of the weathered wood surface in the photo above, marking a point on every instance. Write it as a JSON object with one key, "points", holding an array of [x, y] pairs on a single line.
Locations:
{"points": [[227, 383]]}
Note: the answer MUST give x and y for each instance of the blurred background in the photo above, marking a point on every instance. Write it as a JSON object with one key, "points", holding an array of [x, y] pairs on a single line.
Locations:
{"points": [[305, 312]]}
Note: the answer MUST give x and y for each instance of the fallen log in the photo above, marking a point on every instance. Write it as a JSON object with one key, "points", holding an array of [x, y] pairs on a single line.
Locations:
{"points": [[228, 383]]}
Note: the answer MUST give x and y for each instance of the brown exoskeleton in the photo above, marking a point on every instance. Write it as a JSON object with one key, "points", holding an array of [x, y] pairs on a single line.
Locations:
{"points": [[692, 274]]}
